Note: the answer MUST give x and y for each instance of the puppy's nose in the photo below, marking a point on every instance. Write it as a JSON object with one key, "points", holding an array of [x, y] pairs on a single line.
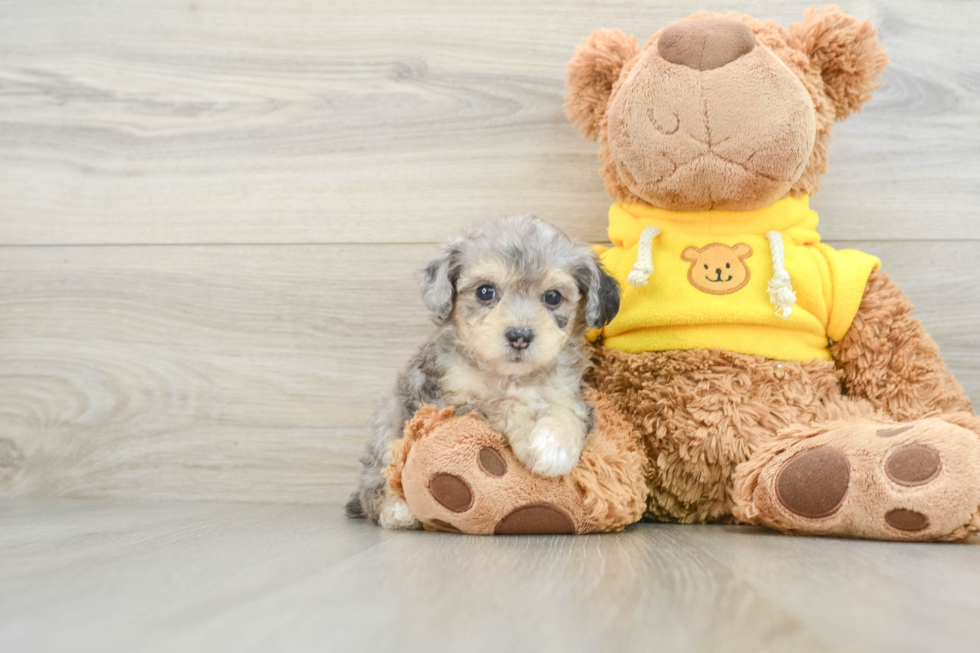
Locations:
{"points": [[519, 338], [705, 43]]}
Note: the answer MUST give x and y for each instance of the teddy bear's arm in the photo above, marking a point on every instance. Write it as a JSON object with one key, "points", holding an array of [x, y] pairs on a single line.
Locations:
{"points": [[888, 358]]}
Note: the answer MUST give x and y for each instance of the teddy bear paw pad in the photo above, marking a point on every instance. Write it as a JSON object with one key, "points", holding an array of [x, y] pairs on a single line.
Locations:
{"points": [[917, 481], [536, 518], [813, 483], [452, 492], [491, 462], [912, 465], [439, 526], [906, 520]]}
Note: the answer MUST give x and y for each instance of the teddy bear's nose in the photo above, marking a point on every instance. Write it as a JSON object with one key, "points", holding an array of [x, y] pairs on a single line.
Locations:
{"points": [[705, 43]]}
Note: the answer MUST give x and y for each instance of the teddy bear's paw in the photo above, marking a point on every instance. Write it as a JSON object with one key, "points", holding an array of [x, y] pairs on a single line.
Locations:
{"points": [[467, 480], [458, 496], [916, 481]]}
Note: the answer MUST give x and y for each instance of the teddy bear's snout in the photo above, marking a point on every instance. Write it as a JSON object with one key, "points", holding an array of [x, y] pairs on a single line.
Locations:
{"points": [[705, 43]]}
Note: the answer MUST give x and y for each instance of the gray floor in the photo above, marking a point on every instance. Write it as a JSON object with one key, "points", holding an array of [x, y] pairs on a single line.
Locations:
{"points": [[83, 575]]}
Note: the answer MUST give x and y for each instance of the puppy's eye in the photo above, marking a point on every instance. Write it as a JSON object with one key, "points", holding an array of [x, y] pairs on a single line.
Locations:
{"points": [[552, 298], [486, 293]]}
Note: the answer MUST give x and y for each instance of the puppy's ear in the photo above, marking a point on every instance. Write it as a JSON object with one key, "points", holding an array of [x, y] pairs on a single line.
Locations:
{"points": [[846, 51], [438, 284], [601, 292], [591, 74]]}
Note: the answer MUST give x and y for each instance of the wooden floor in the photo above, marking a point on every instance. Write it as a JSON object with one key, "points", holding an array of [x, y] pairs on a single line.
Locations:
{"points": [[211, 212], [185, 576]]}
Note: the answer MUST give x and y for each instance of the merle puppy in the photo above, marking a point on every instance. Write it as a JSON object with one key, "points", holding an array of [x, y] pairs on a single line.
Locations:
{"points": [[512, 300]]}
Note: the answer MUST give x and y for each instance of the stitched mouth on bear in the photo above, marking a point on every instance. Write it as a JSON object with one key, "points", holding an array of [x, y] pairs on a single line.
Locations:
{"points": [[719, 279]]}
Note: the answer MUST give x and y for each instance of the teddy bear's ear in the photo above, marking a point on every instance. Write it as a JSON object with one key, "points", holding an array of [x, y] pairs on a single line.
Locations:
{"points": [[742, 250], [690, 254], [591, 75], [847, 53]]}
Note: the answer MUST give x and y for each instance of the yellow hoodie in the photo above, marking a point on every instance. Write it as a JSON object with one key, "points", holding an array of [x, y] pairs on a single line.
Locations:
{"points": [[753, 282]]}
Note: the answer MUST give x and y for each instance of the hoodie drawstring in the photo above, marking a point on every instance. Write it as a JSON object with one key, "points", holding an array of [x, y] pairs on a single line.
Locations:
{"points": [[780, 287], [643, 267]]}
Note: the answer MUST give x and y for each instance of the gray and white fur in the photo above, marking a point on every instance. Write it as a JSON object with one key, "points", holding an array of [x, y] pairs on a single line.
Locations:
{"points": [[512, 300]]}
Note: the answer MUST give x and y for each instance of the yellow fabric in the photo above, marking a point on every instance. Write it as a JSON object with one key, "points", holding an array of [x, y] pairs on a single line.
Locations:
{"points": [[671, 312]]}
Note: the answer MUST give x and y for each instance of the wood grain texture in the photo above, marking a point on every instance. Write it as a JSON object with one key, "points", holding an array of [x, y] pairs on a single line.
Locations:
{"points": [[226, 577], [211, 212], [222, 372], [244, 121], [247, 372]]}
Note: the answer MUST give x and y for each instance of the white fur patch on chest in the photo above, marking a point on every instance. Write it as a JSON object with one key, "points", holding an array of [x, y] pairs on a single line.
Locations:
{"points": [[464, 384]]}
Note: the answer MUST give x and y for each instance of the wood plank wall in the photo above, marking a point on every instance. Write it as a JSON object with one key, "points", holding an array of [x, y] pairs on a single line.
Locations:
{"points": [[211, 212]]}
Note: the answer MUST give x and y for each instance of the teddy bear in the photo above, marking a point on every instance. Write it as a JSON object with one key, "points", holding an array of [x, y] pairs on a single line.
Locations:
{"points": [[753, 374]]}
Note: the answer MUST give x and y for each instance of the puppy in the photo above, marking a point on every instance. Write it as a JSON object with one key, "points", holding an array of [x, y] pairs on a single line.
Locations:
{"points": [[512, 301]]}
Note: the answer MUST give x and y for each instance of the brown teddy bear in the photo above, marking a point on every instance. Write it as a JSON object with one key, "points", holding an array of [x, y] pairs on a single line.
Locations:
{"points": [[753, 372]]}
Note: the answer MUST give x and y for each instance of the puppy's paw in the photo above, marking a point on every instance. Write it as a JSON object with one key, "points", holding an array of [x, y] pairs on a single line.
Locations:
{"points": [[395, 515], [550, 453]]}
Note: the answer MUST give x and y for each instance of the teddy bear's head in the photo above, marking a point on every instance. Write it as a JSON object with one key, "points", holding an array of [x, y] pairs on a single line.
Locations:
{"points": [[721, 112]]}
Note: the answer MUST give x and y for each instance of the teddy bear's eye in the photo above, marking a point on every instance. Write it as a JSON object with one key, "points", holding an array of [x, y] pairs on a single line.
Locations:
{"points": [[728, 265], [705, 267]]}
